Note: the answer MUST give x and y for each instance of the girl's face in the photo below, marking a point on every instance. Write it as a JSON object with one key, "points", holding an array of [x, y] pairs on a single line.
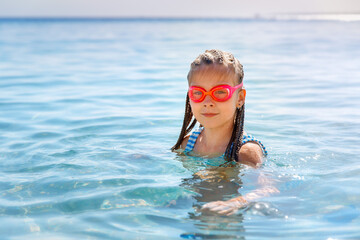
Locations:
{"points": [[210, 113]]}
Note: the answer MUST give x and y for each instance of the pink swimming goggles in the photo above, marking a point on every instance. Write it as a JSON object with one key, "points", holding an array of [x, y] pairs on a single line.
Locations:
{"points": [[219, 93]]}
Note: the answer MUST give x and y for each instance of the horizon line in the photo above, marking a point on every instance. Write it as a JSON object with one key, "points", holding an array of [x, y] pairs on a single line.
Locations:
{"points": [[255, 15], [342, 17]]}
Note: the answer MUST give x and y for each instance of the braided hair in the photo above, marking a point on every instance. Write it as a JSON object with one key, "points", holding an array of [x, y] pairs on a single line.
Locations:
{"points": [[228, 60]]}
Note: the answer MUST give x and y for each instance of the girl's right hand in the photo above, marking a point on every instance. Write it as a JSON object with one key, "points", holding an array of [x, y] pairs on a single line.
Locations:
{"points": [[227, 208]]}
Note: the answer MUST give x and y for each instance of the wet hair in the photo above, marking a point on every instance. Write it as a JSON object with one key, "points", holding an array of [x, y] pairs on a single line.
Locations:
{"points": [[226, 59]]}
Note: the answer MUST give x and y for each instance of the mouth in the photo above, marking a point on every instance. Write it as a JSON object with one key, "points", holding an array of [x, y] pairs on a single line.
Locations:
{"points": [[209, 114]]}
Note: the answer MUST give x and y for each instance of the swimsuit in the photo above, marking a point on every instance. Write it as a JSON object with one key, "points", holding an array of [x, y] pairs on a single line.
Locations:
{"points": [[195, 134]]}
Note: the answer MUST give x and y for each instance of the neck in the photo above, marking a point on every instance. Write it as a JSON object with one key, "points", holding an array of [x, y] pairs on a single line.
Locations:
{"points": [[215, 140]]}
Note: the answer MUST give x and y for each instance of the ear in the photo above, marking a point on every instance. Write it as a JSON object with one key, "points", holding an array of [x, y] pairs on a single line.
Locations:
{"points": [[241, 98]]}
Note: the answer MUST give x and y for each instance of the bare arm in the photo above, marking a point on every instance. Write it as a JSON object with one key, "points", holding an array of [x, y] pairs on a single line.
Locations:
{"points": [[230, 206], [251, 155]]}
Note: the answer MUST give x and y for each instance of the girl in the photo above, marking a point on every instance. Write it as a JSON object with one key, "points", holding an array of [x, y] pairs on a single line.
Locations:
{"points": [[216, 99]]}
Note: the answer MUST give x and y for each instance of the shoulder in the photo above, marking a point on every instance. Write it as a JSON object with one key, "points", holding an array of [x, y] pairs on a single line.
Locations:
{"points": [[184, 142], [192, 138], [251, 154]]}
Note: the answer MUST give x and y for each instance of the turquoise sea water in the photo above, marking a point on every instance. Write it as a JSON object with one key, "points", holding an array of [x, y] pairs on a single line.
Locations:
{"points": [[90, 108]]}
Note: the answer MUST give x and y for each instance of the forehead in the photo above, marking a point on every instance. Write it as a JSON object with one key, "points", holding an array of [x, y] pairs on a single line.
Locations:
{"points": [[212, 74]]}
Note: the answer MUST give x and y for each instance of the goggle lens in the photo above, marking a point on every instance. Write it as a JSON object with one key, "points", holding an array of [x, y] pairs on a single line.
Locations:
{"points": [[196, 94], [221, 93]]}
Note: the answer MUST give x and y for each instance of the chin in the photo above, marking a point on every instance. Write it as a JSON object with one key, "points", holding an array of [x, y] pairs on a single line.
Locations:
{"points": [[215, 122], [210, 124]]}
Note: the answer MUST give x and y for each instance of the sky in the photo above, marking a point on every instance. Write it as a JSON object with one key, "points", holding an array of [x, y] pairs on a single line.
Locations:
{"points": [[172, 8]]}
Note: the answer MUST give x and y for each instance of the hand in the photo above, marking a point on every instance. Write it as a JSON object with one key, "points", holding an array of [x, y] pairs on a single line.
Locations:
{"points": [[227, 208]]}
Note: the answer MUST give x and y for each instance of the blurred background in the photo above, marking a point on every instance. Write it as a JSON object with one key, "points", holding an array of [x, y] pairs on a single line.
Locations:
{"points": [[163, 8]]}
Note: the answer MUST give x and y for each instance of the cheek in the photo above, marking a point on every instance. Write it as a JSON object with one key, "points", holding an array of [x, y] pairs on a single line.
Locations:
{"points": [[229, 108], [236, 101], [232, 102], [194, 107]]}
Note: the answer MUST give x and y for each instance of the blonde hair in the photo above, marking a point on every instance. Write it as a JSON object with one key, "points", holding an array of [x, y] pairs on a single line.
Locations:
{"points": [[218, 57]]}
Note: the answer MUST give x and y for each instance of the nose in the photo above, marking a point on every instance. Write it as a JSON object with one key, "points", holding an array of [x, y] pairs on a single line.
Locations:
{"points": [[208, 101]]}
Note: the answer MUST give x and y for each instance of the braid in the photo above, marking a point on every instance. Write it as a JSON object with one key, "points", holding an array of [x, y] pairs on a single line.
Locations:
{"points": [[185, 128], [228, 60], [235, 143]]}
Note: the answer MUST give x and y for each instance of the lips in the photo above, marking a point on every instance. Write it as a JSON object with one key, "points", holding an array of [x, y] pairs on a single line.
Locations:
{"points": [[209, 114]]}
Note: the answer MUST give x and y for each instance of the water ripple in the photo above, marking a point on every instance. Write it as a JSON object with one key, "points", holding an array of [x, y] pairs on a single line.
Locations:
{"points": [[90, 108]]}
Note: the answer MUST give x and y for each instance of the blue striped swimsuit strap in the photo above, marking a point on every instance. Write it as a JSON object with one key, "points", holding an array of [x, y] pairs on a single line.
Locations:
{"points": [[249, 138], [192, 139]]}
